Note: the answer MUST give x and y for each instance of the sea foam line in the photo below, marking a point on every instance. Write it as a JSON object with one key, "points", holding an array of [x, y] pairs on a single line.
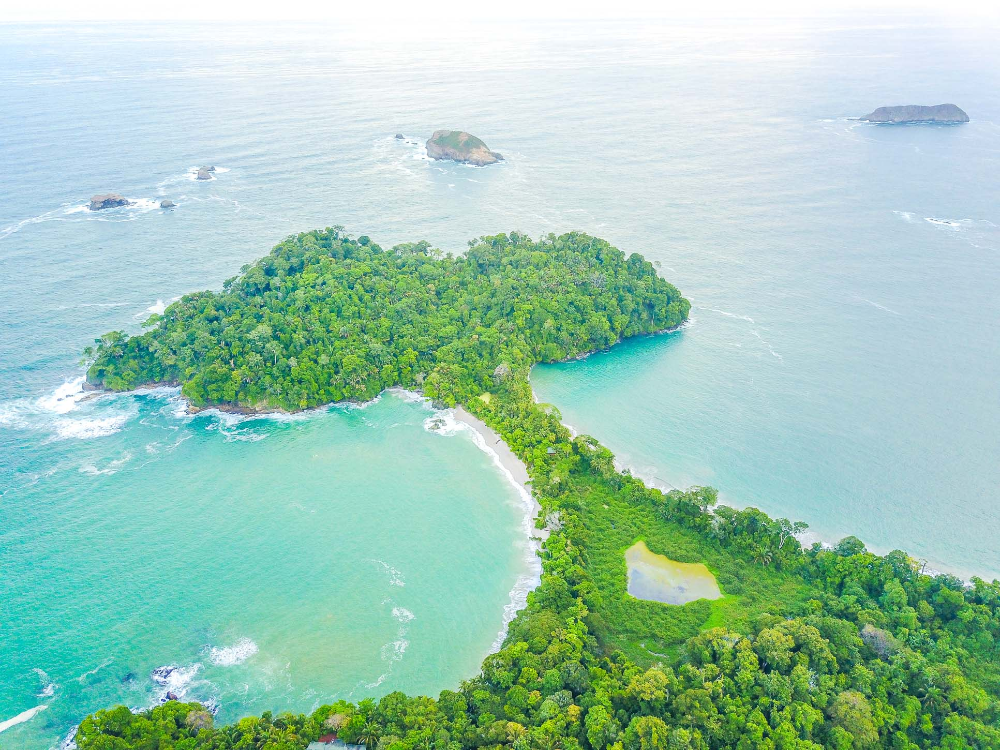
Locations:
{"points": [[22, 717]]}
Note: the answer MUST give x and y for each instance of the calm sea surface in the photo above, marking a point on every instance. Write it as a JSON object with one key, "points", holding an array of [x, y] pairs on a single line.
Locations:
{"points": [[842, 365]]}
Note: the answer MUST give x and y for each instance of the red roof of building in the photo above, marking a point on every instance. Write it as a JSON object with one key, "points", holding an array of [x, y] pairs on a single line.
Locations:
{"points": [[328, 738]]}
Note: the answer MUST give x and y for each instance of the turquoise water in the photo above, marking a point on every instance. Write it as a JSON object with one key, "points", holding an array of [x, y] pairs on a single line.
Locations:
{"points": [[841, 367], [258, 564]]}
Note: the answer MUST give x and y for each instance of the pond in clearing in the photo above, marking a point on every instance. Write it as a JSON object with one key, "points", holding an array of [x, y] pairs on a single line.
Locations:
{"points": [[660, 579]]}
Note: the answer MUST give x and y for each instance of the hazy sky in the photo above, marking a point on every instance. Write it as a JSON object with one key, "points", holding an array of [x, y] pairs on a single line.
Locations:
{"points": [[467, 10]]}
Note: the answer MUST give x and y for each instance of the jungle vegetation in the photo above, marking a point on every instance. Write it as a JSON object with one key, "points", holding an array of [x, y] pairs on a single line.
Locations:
{"points": [[809, 648]]}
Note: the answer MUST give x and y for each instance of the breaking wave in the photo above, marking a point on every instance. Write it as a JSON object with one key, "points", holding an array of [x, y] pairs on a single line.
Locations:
{"points": [[229, 656]]}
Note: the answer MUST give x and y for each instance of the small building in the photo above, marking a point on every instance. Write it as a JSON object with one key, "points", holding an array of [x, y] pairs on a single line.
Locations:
{"points": [[330, 742]]}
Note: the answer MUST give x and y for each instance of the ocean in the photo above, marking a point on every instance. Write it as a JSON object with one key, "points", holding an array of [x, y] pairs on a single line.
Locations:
{"points": [[840, 367]]}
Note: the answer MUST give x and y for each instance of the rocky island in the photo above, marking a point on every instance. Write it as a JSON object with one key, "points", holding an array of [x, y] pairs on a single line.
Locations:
{"points": [[457, 145], [109, 200], [915, 113], [205, 173]]}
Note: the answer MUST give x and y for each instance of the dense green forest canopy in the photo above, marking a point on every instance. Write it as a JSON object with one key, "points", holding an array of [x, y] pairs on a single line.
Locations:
{"points": [[325, 318], [809, 648]]}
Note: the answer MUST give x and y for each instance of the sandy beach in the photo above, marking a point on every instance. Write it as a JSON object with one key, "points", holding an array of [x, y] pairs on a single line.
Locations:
{"points": [[516, 473], [508, 460]]}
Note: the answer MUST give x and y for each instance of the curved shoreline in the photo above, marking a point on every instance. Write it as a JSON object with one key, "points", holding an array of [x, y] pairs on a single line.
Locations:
{"points": [[514, 470], [485, 439]]}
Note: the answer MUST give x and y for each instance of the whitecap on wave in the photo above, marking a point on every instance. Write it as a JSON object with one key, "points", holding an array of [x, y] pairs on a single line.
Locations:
{"points": [[229, 656], [64, 414]]}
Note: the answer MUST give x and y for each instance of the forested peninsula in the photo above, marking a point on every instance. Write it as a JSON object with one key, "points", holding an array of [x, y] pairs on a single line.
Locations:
{"points": [[808, 647]]}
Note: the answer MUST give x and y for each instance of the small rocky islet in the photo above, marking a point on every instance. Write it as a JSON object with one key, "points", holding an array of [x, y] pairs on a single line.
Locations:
{"points": [[109, 200], [917, 113], [116, 200], [462, 147]]}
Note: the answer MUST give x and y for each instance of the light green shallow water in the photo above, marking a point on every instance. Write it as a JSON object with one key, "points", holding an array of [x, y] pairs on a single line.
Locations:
{"points": [[276, 563]]}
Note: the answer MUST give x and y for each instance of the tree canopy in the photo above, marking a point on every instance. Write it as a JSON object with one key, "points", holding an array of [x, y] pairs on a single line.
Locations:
{"points": [[325, 318], [809, 648]]}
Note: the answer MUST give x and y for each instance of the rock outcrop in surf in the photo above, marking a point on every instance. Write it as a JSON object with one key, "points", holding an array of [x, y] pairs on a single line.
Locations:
{"points": [[915, 113], [109, 200], [457, 145]]}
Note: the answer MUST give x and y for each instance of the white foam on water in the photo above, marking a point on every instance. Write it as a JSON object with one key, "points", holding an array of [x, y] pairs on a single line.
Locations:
{"points": [[22, 717], [951, 224], [395, 650], [65, 398], [906, 216], [174, 679], [94, 304], [444, 423], [747, 318], [85, 429], [157, 308], [90, 673], [112, 467], [229, 656], [395, 576], [48, 686], [402, 615], [52, 413], [56, 214], [69, 741], [878, 306]]}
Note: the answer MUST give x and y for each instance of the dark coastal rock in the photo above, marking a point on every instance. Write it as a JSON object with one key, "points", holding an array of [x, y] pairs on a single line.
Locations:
{"points": [[167, 203], [457, 145], [128, 679], [108, 200], [916, 113], [160, 674], [171, 696], [399, 136], [205, 173]]}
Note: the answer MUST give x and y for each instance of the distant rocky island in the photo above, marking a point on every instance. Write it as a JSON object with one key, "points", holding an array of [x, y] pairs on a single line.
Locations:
{"points": [[915, 113], [457, 145], [109, 200], [205, 173]]}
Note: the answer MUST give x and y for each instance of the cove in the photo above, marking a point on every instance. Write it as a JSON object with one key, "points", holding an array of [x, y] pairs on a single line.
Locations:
{"points": [[257, 564]]}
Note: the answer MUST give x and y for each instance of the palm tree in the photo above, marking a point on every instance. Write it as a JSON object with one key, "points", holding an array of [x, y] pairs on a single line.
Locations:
{"points": [[369, 733]]}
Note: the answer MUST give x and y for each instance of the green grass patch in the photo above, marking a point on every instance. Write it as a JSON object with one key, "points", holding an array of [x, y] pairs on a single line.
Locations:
{"points": [[642, 628]]}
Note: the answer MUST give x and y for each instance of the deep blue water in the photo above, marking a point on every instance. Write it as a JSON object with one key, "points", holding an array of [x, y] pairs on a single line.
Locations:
{"points": [[841, 367]]}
